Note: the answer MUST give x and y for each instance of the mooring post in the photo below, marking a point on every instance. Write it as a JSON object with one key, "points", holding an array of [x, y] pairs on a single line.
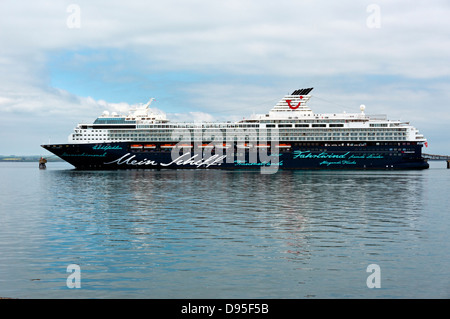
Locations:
{"points": [[448, 163]]}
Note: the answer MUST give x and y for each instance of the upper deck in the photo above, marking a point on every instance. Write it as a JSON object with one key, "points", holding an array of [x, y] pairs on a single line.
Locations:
{"points": [[291, 117]]}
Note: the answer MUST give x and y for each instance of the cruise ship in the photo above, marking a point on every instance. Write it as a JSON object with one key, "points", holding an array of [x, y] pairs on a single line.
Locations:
{"points": [[289, 136]]}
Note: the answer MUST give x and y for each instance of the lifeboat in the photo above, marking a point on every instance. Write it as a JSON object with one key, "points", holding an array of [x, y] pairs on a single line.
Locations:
{"points": [[284, 145], [224, 145], [206, 146], [167, 145], [149, 146], [184, 145], [136, 146], [243, 145], [262, 145]]}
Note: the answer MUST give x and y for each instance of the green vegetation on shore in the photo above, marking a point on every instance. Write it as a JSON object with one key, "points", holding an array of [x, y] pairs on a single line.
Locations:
{"points": [[28, 158]]}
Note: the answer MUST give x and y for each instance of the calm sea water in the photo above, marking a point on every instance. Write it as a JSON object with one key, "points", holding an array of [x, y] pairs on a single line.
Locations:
{"points": [[223, 234]]}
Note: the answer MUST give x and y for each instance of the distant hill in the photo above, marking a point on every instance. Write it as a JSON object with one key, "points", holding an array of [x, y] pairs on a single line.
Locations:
{"points": [[29, 158]]}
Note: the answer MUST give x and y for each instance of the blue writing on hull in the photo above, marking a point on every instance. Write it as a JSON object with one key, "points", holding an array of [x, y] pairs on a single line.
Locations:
{"points": [[106, 147]]}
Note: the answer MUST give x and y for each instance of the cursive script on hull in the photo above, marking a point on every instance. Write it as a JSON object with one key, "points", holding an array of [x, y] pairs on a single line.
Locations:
{"points": [[308, 154], [184, 159], [106, 147], [195, 161], [129, 160]]}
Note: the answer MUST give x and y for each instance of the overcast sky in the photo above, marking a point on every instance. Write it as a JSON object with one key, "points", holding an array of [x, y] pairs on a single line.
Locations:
{"points": [[65, 62]]}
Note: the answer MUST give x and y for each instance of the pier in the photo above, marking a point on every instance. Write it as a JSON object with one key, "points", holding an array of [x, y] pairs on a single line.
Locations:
{"points": [[433, 157]]}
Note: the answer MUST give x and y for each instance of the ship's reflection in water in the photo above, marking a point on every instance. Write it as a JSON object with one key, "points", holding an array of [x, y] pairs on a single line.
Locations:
{"points": [[236, 234]]}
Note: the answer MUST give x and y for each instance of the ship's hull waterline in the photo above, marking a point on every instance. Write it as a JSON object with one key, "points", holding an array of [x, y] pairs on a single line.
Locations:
{"points": [[113, 156]]}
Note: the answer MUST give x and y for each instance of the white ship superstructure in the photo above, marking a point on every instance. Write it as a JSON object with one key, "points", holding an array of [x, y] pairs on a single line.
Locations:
{"points": [[293, 119]]}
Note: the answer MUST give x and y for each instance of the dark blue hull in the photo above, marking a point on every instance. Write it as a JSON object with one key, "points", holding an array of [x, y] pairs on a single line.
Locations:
{"points": [[112, 156]]}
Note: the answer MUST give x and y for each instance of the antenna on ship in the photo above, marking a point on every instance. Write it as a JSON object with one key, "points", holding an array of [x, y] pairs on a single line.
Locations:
{"points": [[149, 102], [362, 107]]}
